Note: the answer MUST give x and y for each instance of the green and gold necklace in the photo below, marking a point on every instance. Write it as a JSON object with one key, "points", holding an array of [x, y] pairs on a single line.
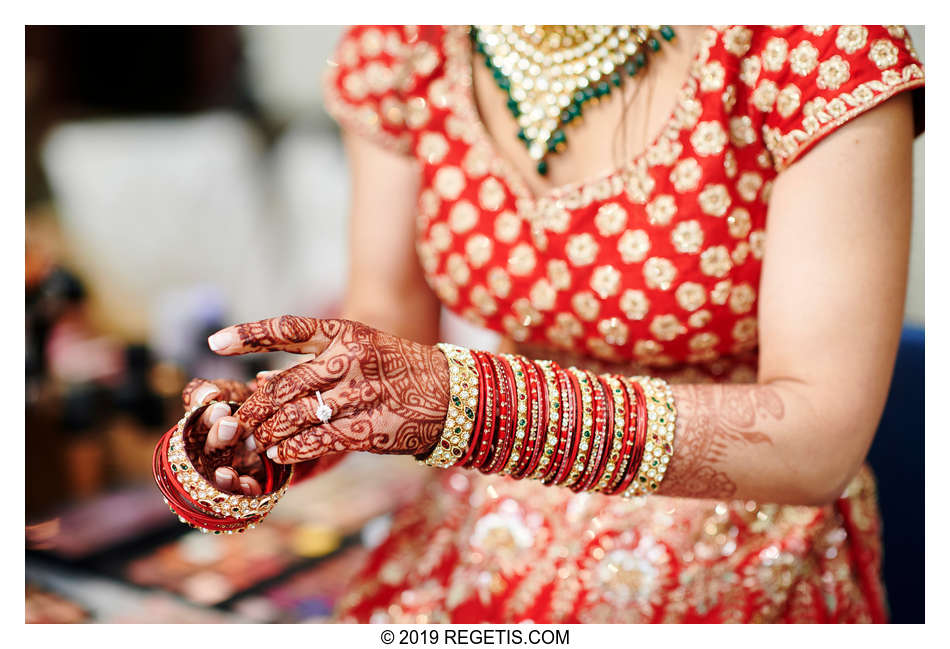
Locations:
{"points": [[550, 72]]}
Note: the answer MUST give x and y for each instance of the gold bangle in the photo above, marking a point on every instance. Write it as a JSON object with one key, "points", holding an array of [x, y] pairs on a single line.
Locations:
{"points": [[661, 424], [552, 427], [460, 416]]}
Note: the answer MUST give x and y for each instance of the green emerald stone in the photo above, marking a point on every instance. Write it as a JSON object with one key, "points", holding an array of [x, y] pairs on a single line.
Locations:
{"points": [[513, 107], [615, 79], [654, 44], [667, 32], [543, 167], [603, 88]]}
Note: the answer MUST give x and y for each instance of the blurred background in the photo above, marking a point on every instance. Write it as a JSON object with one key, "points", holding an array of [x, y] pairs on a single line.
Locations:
{"points": [[180, 179]]}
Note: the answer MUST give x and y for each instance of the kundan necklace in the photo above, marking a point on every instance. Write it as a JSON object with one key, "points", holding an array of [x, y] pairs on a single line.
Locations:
{"points": [[551, 71]]}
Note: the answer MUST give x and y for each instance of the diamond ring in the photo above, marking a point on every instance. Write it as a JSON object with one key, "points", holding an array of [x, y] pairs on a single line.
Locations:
{"points": [[324, 412]]}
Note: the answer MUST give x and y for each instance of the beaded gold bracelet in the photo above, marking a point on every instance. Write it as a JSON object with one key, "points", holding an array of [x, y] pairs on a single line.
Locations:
{"points": [[460, 416], [661, 424]]}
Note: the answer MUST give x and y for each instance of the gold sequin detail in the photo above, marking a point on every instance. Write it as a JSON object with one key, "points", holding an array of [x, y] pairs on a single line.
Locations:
{"points": [[661, 210], [634, 304], [690, 295], [659, 273], [611, 219], [687, 237], [581, 249], [633, 246]]}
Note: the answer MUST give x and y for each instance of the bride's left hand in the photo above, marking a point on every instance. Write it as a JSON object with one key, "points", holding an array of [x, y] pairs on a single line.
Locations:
{"points": [[387, 394]]}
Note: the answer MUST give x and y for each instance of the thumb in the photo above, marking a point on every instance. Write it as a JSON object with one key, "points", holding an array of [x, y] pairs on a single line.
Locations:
{"points": [[288, 333]]}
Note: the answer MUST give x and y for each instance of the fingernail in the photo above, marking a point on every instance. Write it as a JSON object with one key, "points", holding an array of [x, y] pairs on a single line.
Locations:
{"points": [[218, 411], [226, 430], [203, 393], [221, 340], [245, 487], [223, 476], [272, 452], [250, 443]]}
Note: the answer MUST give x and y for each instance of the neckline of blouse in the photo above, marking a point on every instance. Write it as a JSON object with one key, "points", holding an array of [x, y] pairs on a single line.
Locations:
{"points": [[459, 61]]}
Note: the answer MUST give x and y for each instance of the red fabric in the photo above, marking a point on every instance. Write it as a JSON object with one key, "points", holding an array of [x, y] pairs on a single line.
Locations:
{"points": [[655, 265]]}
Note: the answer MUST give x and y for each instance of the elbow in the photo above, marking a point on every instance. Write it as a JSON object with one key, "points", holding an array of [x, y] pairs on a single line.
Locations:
{"points": [[830, 473]]}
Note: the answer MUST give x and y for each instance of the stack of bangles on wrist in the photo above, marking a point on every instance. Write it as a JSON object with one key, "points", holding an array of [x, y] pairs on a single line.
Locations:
{"points": [[567, 427]]}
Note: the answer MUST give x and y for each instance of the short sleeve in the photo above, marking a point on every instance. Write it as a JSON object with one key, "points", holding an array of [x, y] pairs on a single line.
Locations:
{"points": [[806, 81], [375, 82]]}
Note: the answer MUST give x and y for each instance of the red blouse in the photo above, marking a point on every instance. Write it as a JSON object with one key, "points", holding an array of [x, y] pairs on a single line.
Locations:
{"points": [[656, 262]]}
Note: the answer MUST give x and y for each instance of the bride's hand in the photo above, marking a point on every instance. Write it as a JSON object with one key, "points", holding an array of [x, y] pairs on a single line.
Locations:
{"points": [[223, 437], [387, 394]]}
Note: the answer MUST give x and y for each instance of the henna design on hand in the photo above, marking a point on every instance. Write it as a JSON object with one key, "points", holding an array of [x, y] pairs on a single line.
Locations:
{"points": [[388, 394], [284, 333], [710, 420], [228, 390]]}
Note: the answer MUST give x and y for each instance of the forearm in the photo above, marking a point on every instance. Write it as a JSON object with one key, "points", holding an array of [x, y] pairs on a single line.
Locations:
{"points": [[764, 442], [411, 313], [774, 442]]}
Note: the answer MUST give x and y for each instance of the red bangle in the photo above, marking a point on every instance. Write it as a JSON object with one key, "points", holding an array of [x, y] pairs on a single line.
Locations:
{"points": [[539, 417], [604, 459], [195, 499], [479, 423], [502, 414], [544, 413], [597, 435], [630, 450], [503, 449], [641, 434], [578, 425], [486, 433], [629, 438]]}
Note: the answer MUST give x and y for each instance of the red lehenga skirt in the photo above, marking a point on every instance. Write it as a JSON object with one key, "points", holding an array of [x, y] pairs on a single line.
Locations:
{"points": [[477, 548]]}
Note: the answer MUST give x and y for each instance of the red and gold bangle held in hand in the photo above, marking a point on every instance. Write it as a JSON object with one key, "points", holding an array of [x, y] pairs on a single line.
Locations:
{"points": [[194, 498]]}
